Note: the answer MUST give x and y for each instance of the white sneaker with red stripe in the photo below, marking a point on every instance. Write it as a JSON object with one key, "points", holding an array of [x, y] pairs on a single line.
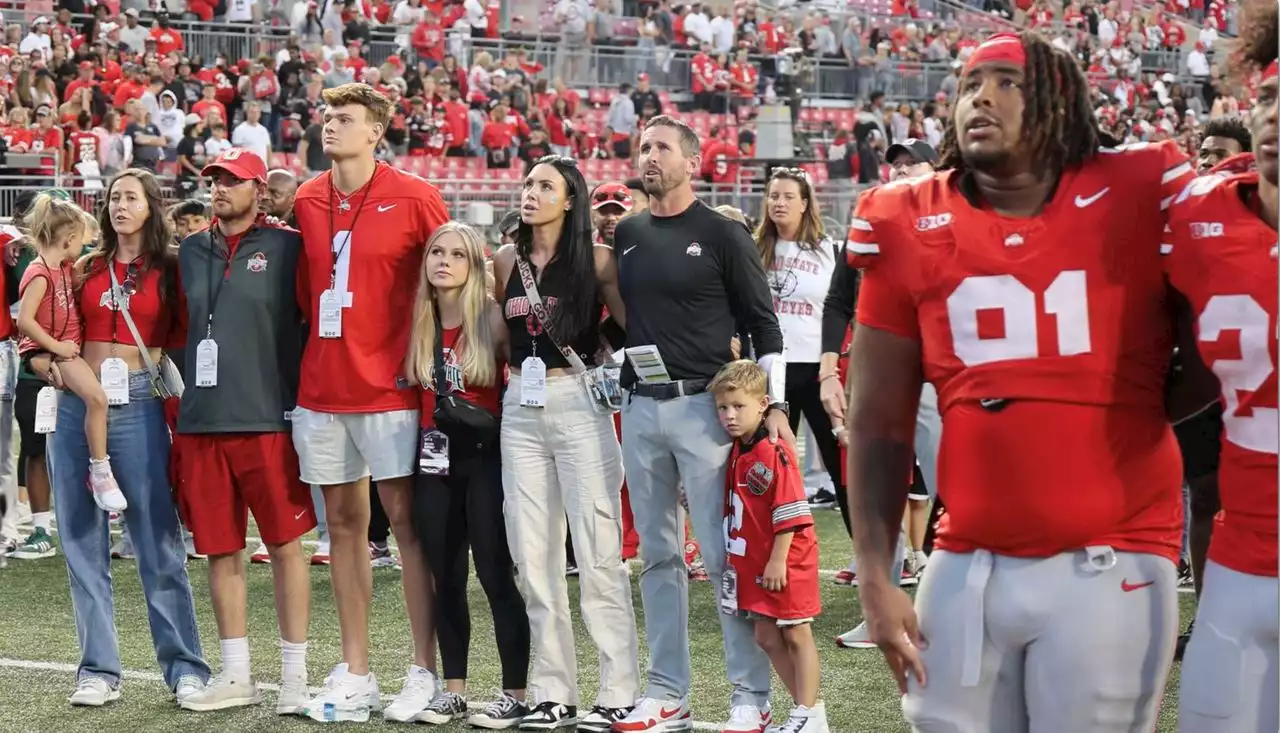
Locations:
{"points": [[748, 719], [848, 576], [260, 556], [656, 716]]}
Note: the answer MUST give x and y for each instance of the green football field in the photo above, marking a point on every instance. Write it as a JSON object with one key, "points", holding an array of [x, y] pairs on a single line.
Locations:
{"points": [[38, 653]]}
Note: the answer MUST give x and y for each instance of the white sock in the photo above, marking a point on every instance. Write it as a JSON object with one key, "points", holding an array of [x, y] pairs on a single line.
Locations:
{"points": [[235, 657], [43, 520], [294, 659], [100, 468]]}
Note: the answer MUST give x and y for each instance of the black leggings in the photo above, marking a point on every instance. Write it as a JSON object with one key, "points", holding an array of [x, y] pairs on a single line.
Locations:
{"points": [[805, 399], [450, 513]]}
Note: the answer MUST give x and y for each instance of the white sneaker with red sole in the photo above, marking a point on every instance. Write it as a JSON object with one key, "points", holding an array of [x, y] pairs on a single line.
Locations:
{"points": [[748, 719], [656, 716], [321, 555]]}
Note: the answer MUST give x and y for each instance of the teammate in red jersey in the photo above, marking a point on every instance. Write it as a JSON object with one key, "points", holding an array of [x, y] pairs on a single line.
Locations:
{"points": [[771, 548], [364, 226], [1025, 283], [1221, 256]]}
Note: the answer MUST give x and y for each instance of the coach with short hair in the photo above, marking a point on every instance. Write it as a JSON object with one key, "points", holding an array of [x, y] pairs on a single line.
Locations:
{"points": [[688, 277], [244, 355]]}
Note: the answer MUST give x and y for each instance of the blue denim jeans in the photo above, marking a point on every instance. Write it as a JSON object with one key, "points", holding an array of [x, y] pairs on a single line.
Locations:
{"points": [[138, 443]]}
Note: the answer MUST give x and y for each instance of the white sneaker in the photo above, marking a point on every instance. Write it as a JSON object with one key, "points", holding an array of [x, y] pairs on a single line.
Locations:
{"points": [[321, 555], [657, 716], [93, 692], [260, 556], [106, 492], [293, 696], [748, 719], [419, 689], [806, 720], [222, 691], [345, 698], [188, 685], [856, 638], [22, 518], [122, 549], [190, 543]]}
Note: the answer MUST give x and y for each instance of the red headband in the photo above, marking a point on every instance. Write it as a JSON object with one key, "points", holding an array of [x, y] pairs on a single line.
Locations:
{"points": [[1271, 71], [1006, 47]]}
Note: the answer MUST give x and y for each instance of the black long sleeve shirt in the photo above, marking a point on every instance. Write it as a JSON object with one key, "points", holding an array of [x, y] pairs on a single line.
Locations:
{"points": [[838, 307], [689, 282]]}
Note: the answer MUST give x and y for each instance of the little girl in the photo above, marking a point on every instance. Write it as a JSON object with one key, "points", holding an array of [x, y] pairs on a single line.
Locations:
{"points": [[50, 323]]}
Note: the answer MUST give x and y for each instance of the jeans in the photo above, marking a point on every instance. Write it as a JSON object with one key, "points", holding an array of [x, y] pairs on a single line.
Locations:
{"points": [[138, 442]]}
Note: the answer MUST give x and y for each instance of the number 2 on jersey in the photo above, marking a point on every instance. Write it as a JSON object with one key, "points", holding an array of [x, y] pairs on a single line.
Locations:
{"points": [[734, 544], [1257, 430], [1067, 298], [342, 265]]}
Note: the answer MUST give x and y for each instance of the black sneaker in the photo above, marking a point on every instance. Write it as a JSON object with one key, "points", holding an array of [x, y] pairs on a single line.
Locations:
{"points": [[1186, 579], [571, 570], [1183, 638], [504, 712], [550, 716], [822, 499], [444, 708], [602, 719]]}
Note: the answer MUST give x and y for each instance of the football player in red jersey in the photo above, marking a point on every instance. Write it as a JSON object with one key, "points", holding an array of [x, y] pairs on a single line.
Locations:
{"points": [[364, 226], [1024, 281], [1221, 256], [771, 572]]}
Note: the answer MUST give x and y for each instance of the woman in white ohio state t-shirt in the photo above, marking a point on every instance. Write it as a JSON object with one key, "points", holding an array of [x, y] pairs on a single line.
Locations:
{"points": [[798, 260]]}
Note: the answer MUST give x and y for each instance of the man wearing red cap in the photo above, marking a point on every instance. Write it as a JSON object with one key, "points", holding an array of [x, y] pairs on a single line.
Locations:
{"points": [[242, 363], [1221, 255], [1024, 282]]}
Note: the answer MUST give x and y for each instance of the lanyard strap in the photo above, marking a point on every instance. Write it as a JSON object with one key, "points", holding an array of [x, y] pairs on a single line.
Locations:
{"points": [[215, 237], [333, 193]]}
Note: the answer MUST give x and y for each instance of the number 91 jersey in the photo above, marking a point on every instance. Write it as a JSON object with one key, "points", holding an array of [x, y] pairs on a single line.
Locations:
{"points": [[1221, 256], [1048, 339]]}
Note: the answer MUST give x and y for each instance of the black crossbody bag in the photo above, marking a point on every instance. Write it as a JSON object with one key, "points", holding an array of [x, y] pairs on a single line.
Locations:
{"points": [[453, 414]]}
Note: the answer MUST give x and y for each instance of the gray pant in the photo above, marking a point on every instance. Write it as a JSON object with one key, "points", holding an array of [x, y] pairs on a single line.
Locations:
{"points": [[666, 444]]}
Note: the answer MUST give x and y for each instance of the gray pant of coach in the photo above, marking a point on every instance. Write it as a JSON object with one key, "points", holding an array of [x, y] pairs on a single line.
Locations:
{"points": [[666, 444]]}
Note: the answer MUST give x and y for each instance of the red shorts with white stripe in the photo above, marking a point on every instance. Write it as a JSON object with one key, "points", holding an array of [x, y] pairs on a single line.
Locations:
{"points": [[225, 475]]}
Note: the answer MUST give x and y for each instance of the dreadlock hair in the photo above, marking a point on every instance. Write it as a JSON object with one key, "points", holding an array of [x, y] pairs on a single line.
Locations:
{"points": [[1257, 44], [1057, 122], [1232, 128]]}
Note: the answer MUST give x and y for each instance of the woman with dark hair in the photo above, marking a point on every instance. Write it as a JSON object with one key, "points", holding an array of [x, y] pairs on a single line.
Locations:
{"points": [[560, 455], [132, 260]]}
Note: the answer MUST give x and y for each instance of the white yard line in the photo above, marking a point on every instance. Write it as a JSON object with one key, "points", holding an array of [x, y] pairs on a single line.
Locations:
{"points": [[156, 678]]}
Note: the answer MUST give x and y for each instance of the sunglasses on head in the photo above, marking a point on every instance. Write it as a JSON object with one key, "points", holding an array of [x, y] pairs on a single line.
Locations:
{"points": [[561, 159]]}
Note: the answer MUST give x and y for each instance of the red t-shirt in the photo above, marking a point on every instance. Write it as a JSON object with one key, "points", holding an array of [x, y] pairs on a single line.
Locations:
{"points": [[490, 397], [161, 325], [375, 267], [764, 497], [167, 40], [1221, 255], [84, 147], [1062, 320], [18, 139], [57, 313]]}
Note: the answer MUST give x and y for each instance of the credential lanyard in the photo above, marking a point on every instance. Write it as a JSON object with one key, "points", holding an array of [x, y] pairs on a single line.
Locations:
{"points": [[333, 193], [215, 237]]}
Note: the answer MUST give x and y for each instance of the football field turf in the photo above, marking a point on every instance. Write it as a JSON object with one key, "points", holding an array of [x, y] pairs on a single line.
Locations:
{"points": [[38, 653]]}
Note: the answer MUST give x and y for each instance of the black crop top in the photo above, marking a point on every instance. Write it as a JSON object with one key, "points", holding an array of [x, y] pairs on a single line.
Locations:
{"points": [[529, 338]]}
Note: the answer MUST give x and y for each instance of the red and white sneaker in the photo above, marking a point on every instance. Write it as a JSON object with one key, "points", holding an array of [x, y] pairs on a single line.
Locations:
{"points": [[656, 716], [748, 719], [321, 555], [848, 576], [908, 576], [260, 556]]}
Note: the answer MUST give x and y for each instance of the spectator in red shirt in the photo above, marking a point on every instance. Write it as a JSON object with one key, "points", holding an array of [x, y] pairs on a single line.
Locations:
{"points": [[427, 40], [167, 39], [46, 137], [84, 78], [455, 113], [207, 102], [498, 137]]}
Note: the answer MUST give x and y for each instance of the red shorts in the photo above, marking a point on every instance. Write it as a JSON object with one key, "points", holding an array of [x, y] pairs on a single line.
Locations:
{"points": [[225, 475]]}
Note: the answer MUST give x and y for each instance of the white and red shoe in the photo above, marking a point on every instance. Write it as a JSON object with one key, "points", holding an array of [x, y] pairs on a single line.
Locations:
{"points": [[748, 719], [321, 555], [260, 556], [656, 716]]}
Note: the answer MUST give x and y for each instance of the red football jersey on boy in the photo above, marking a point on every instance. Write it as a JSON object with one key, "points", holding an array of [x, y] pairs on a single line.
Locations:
{"points": [[1221, 256], [1048, 339], [764, 497], [370, 250]]}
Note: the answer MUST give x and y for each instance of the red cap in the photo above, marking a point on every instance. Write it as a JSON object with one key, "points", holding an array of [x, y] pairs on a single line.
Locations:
{"points": [[241, 163], [86, 64], [611, 193], [1006, 47], [643, 76]]}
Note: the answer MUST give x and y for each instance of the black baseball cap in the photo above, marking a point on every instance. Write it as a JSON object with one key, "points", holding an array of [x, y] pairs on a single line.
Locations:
{"points": [[922, 151]]}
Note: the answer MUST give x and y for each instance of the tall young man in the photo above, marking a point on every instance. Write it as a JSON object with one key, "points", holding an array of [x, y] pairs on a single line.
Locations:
{"points": [[1024, 281], [242, 366], [364, 226]]}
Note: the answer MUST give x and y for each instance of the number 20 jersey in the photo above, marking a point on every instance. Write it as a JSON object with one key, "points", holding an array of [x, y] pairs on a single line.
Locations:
{"points": [[1221, 256], [1048, 339]]}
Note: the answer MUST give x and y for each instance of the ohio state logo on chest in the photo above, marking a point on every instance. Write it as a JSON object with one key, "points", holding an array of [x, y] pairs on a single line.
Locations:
{"points": [[759, 478]]}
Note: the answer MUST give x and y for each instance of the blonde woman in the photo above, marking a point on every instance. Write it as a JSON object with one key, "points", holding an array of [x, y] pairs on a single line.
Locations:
{"points": [[799, 260], [458, 498]]}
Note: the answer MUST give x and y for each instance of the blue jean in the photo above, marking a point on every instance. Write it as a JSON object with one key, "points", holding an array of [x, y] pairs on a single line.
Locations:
{"points": [[138, 443]]}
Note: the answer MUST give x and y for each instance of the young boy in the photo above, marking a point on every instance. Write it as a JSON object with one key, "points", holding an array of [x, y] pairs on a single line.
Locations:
{"points": [[771, 572]]}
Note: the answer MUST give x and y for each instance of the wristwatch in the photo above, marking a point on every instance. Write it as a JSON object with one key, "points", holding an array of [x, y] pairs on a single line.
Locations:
{"points": [[782, 407]]}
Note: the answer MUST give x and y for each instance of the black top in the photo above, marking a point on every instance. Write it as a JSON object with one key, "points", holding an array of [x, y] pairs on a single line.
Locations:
{"points": [[528, 337], [689, 282], [257, 325], [838, 307]]}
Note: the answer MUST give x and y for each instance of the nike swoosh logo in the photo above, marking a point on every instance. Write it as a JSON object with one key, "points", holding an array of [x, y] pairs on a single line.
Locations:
{"points": [[299, 514], [1082, 202], [669, 713], [392, 206], [628, 249], [1128, 587]]}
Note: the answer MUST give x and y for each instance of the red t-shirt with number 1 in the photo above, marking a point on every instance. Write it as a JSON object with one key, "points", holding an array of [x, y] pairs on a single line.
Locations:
{"points": [[377, 273]]}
